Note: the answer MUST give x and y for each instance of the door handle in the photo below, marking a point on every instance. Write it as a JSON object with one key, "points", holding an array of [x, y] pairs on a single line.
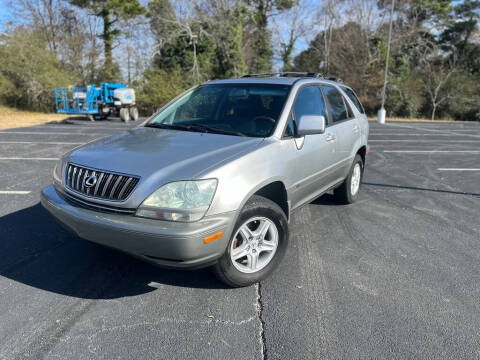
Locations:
{"points": [[356, 128], [330, 137]]}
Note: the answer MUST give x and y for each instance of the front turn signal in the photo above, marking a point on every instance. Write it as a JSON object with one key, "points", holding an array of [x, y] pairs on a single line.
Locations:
{"points": [[213, 237]]}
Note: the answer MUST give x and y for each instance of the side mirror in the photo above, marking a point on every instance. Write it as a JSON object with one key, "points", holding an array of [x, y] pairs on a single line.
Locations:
{"points": [[311, 124]]}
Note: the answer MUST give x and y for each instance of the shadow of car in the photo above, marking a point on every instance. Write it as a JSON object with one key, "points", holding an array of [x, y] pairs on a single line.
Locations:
{"points": [[39, 253]]}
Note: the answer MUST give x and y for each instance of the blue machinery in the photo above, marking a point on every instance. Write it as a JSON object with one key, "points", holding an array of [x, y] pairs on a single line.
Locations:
{"points": [[85, 100]]}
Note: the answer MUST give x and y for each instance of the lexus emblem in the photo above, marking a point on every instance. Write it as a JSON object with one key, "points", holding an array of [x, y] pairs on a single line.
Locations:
{"points": [[90, 181]]}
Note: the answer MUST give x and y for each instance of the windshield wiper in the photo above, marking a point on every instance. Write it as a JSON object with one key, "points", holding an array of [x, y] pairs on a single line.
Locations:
{"points": [[159, 126], [215, 130], [195, 127]]}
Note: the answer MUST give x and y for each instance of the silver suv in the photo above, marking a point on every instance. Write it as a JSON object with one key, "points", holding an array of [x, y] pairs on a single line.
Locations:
{"points": [[213, 177]]}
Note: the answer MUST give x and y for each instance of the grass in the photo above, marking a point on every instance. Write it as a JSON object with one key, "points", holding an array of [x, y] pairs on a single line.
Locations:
{"points": [[13, 118]]}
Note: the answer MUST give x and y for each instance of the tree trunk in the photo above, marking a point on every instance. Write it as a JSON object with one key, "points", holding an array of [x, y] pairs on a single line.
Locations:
{"points": [[287, 54], [107, 42], [433, 111]]}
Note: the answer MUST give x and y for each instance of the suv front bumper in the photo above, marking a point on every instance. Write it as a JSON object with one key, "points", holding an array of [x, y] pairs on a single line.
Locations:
{"points": [[165, 243]]}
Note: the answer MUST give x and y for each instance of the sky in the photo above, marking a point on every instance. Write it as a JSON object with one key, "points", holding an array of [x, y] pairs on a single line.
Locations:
{"points": [[5, 14]]}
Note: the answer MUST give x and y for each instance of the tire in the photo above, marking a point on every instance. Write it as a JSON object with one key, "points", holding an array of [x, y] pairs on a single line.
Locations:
{"points": [[258, 211], [348, 193], [124, 115], [133, 113]]}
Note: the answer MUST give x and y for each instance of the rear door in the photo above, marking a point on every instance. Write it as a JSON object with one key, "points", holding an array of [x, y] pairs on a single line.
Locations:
{"points": [[316, 154], [362, 117], [345, 125]]}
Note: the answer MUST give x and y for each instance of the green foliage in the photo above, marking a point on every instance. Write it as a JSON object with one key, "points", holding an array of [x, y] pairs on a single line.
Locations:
{"points": [[465, 102], [119, 8], [405, 95], [29, 71], [180, 53], [230, 61], [158, 87], [261, 60], [161, 16], [184, 46]]}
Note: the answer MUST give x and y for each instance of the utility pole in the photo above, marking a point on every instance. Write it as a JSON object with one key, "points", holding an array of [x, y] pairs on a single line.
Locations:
{"points": [[382, 113]]}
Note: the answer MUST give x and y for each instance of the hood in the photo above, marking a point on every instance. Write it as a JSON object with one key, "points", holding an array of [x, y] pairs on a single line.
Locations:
{"points": [[168, 154]]}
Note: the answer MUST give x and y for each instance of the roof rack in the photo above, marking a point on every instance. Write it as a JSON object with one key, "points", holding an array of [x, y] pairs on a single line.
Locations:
{"points": [[334, 78], [285, 74], [295, 74]]}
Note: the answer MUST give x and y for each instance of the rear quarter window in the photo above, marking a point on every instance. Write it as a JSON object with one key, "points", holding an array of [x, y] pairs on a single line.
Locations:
{"points": [[351, 95]]}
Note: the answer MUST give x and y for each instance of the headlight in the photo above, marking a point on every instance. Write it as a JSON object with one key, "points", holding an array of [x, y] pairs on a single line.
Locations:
{"points": [[179, 201]]}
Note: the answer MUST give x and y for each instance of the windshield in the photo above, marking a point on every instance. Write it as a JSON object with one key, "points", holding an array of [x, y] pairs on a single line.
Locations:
{"points": [[234, 109]]}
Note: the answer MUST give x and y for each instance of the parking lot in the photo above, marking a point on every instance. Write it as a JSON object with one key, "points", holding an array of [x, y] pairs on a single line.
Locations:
{"points": [[394, 276]]}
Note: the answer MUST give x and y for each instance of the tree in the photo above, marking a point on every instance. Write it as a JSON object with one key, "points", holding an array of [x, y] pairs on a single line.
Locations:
{"points": [[289, 27], [111, 11], [261, 36], [226, 19], [459, 34], [182, 43], [29, 70], [351, 58], [158, 87], [437, 68]]}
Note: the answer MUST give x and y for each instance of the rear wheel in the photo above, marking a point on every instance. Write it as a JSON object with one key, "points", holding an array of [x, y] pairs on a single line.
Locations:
{"points": [[347, 193], [124, 114], [134, 113], [258, 244]]}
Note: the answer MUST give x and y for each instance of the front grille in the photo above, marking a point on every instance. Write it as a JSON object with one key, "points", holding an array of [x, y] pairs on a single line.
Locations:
{"points": [[93, 206], [108, 185]]}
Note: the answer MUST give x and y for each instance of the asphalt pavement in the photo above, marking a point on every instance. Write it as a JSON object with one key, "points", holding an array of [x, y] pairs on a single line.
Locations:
{"points": [[394, 276]]}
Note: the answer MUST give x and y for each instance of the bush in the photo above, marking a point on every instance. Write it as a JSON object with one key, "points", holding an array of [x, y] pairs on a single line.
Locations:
{"points": [[29, 72], [157, 88]]}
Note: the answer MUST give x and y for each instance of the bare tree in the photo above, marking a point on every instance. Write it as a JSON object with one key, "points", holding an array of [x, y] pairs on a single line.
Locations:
{"points": [[437, 67], [44, 15], [291, 26]]}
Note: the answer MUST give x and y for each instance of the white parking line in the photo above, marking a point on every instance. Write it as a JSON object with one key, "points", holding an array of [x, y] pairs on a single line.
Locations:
{"points": [[431, 151], [26, 158], [73, 127], [12, 192], [457, 169], [410, 134], [444, 132], [424, 140], [42, 142]]}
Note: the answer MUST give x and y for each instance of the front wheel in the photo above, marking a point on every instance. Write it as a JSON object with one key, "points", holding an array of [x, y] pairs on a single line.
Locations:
{"points": [[347, 193], [258, 244]]}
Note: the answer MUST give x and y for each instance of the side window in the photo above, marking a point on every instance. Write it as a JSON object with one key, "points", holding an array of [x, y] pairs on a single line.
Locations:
{"points": [[335, 102], [309, 102], [351, 95]]}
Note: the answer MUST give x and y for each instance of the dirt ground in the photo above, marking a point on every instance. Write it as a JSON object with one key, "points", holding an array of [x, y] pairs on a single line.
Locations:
{"points": [[13, 118]]}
